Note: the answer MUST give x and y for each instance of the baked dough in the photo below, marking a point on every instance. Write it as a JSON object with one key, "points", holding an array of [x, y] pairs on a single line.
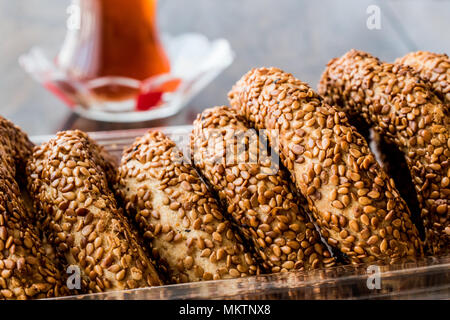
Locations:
{"points": [[25, 270], [355, 204], [256, 192], [178, 215], [68, 182], [403, 109], [431, 67]]}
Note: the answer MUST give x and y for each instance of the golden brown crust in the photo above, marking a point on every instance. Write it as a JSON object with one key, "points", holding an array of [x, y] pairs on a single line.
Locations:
{"points": [[70, 190], [405, 111], [47, 246], [394, 163], [432, 67], [353, 201], [25, 270], [256, 192], [16, 145], [178, 215]]}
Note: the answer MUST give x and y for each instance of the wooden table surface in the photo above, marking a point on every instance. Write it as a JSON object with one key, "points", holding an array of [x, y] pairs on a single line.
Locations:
{"points": [[298, 36]]}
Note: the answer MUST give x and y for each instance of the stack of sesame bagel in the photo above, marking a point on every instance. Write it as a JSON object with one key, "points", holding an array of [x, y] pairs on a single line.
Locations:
{"points": [[229, 208]]}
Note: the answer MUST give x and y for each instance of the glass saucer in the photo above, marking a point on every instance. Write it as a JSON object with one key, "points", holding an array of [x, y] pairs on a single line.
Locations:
{"points": [[195, 62]]}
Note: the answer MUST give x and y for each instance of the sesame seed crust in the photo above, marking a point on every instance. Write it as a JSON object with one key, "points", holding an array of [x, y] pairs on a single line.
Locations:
{"points": [[67, 180], [25, 270], [258, 198], [394, 163], [435, 69], [354, 203], [404, 110], [431, 67], [178, 215], [17, 147]]}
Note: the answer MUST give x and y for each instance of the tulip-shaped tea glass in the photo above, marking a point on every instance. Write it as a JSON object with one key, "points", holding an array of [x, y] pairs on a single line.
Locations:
{"points": [[113, 66]]}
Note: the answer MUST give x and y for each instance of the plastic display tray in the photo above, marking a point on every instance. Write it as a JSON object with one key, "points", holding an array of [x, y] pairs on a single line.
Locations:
{"points": [[427, 278]]}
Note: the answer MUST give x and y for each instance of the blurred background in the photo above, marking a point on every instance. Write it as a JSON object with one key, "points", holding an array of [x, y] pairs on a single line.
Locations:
{"points": [[299, 36]]}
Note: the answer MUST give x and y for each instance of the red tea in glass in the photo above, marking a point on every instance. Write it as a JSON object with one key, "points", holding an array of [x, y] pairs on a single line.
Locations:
{"points": [[113, 44]]}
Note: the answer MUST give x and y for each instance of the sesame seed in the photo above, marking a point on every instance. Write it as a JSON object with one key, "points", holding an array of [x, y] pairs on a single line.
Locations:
{"points": [[178, 196], [409, 127], [88, 212], [28, 270], [267, 211], [351, 178]]}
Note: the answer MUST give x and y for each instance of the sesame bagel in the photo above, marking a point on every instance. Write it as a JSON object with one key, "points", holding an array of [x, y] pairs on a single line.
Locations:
{"points": [[255, 192], [435, 69], [431, 67], [69, 186], [404, 110], [354, 203], [178, 215], [25, 270]]}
